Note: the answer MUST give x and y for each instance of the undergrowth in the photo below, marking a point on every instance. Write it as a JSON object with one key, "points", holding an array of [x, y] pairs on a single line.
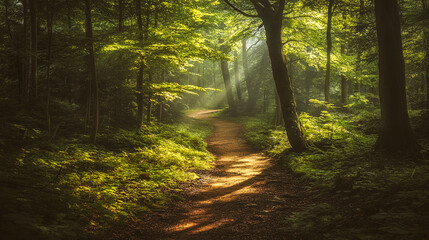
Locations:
{"points": [[360, 194], [63, 188]]}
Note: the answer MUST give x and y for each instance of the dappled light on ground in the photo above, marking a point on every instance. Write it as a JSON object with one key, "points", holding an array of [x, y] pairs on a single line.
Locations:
{"points": [[246, 196]]}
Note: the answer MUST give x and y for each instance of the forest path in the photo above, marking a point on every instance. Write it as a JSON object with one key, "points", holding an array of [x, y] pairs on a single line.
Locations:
{"points": [[246, 196]]}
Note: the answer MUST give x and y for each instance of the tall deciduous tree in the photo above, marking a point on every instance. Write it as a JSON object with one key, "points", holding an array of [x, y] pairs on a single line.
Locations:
{"points": [[426, 63], [91, 69], [251, 98], [33, 83], [139, 82], [272, 18], [328, 51], [228, 87], [396, 136], [237, 77]]}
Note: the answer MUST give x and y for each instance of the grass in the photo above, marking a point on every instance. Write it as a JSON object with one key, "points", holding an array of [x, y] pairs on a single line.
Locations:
{"points": [[361, 194], [67, 189]]}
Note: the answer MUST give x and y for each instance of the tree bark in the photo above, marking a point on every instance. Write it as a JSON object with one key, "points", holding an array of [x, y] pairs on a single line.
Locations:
{"points": [[308, 81], [33, 83], [139, 82], [344, 85], [228, 87], [272, 19], [328, 52], [251, 98], [6, 19], [48, 67], [396, 136], [149, 80], [121, 15], [426, 61], [92, 72], [214, 74], [237, 78], [149, 102]]}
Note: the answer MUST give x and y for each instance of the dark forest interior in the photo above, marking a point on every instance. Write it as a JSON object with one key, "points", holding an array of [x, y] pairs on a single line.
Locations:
{"points": [[105, 111]]}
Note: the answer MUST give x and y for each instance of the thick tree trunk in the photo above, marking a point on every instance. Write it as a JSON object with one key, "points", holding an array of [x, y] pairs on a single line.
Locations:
{"points": [[396, 136], [92, 72], [278, 118], [272, 20], [228, 87], [33, 83], [237, 78], [328, 52]]}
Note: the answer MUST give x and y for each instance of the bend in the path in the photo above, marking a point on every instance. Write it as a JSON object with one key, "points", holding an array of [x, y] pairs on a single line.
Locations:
{"points": [[246, 196]]}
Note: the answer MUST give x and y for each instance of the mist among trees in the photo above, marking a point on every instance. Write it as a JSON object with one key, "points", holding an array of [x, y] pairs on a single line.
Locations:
{"points": [[106, 106]]}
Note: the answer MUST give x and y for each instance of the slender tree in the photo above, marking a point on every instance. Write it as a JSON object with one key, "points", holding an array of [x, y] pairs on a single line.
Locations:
{"points": [[91, 69], [272, 20], [426, 60], [33, 73], [139, 82], [237, 77], [272, 16], [328, 51], [344, 86], [396, 135], [251, 98], [228, 86], [50, 17]]}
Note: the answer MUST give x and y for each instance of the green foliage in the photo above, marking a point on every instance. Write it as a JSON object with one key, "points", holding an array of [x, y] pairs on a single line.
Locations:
{"points": [[365, 195], [71, 190]]}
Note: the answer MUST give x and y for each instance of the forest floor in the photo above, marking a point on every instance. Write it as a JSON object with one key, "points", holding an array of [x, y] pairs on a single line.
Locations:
{"points": [[245, 196]]}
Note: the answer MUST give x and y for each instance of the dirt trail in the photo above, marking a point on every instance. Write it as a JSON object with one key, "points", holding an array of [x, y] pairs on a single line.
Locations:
{"points": [[246, 196]]}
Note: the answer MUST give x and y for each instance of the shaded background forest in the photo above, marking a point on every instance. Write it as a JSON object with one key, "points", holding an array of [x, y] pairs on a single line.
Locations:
{"points": [[93, 94]]}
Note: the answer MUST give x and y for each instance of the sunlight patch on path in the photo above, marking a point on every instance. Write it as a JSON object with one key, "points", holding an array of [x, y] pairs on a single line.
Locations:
{"points": [[239, 167]]}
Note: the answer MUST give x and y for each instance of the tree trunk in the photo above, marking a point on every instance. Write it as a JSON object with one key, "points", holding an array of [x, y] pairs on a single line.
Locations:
{"points": [[139, 85], [344, 86], [357, 84], [328, 51], [214, 74], [149, 102], [251, 99], [237, 78], [308, 81], [396, 136], [228, 87], [92, 72], [48, 67], [6, 19], [149, 81], [33, 52], [25, 90], [272, 20], [121, 15], [426, 61], [278, 118]]}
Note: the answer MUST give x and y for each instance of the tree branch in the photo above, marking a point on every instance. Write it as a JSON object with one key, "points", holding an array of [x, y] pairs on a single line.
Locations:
{"points": [[238, 10]]}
